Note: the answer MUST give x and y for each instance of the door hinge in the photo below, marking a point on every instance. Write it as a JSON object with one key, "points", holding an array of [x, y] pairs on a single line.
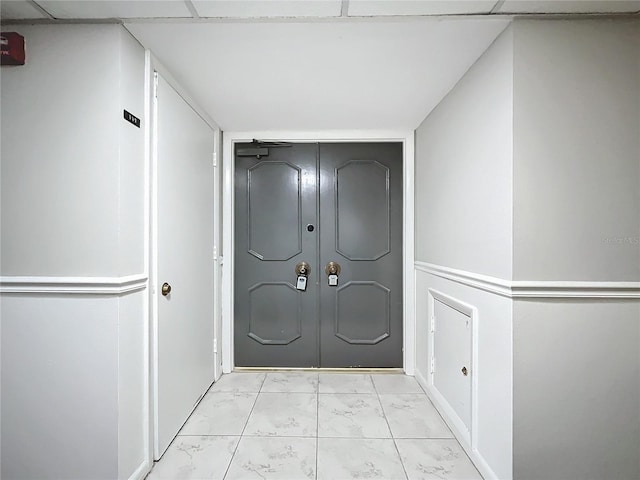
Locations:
{"points": [[215, 252], [215, 345], [433, 364], [215, 159], [433, 323]]}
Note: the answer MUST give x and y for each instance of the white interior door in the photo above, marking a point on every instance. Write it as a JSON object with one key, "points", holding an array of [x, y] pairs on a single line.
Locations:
{"points": [[452, 358], [184, 222]]}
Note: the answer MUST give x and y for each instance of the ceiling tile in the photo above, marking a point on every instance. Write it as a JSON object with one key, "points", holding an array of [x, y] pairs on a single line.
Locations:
{"points": [[19, 10], [267, 8], [367, 8], [569, 6], [115, 8]]}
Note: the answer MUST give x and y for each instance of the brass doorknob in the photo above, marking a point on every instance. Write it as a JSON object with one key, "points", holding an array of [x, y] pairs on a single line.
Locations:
{"points": [[464, 371], [166, 289], [303, 268], [332, 268]]}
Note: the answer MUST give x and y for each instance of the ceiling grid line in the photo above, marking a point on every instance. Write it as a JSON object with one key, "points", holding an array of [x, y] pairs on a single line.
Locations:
{"points": [[192, 9], [496, 8], [41, 9], [344, 8]]}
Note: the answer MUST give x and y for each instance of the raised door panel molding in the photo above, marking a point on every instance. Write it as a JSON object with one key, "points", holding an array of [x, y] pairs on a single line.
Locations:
{"points": [[273, 206], [363, 300], [74, 285], [275, 313], [359, 207], [532, 288]]}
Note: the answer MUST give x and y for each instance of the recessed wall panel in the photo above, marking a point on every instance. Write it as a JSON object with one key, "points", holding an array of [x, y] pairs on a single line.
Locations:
{"points": [[452, 357]]}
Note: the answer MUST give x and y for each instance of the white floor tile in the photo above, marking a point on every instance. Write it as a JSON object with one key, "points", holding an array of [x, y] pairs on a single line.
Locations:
{"points": [[239, 382], [351, 416], [413, 416], [274, 458], [345, 383], [298, 382], [350, 458], [392, 383], [220, 413], [284, 415], [355, 424], [195, 458], [436, 460]]}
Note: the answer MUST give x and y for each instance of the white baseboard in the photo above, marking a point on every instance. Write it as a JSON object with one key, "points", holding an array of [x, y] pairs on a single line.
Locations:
{"points": [[476, 458], [141, 472]]}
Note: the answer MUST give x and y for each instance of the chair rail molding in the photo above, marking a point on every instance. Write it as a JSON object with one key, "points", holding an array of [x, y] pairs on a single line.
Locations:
{"points": [[533, 288], [73, 285]]}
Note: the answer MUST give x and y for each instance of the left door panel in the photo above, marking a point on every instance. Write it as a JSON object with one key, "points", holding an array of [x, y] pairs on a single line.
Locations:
{"points": [[276, 212], [184, 221]]}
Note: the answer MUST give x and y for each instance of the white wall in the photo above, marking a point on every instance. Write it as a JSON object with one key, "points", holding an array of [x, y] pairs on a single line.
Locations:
{"points": [[133, 321], [59, 387], [576, 389], [464, 170], [493, 370], [131, 221], [133, 401], [577, 150], [577, 217], [53, 155], [464, 221], [74, 361], [564, 164]]}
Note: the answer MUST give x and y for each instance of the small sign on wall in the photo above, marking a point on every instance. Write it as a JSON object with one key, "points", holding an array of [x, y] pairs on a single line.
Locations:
{"points": [[11, 49], [131, 118]]}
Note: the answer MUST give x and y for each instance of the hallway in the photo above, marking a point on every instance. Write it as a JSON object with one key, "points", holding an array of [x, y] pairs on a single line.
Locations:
{"points": [[120, 195], [307, 425]]}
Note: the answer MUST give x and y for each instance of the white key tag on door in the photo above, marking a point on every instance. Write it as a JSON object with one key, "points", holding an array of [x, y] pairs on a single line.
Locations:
{"points": [[301, 283], [333, 280]]}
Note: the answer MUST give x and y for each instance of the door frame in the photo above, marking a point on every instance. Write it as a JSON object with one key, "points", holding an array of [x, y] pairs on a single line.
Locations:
{"points": [[406, 137], [153, 65]]}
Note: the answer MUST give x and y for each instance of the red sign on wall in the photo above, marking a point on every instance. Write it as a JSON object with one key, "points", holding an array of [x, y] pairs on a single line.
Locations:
{"points": [[11, 48]]}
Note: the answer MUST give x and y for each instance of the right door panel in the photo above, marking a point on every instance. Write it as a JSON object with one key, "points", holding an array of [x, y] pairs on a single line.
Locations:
{"points": [[361, 230]]}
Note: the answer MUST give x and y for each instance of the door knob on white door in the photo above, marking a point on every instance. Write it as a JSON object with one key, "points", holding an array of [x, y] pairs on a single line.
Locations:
{"points": [[166, 289], [464, 371]]}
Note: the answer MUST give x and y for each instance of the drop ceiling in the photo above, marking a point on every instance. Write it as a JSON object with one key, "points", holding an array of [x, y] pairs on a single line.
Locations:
{"points": [[202, 9], [311, 64]]}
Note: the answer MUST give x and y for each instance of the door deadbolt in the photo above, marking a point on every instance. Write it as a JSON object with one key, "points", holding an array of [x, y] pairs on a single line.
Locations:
{"points": [[464, 371], [303, 268], [166, 289]]}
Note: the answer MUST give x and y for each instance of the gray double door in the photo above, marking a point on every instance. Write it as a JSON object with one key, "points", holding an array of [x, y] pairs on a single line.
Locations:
{"points": [[318, 203]]}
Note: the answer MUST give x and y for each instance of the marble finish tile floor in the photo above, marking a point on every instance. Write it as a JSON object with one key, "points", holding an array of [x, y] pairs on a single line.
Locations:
{"points": [[315, 426]]}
